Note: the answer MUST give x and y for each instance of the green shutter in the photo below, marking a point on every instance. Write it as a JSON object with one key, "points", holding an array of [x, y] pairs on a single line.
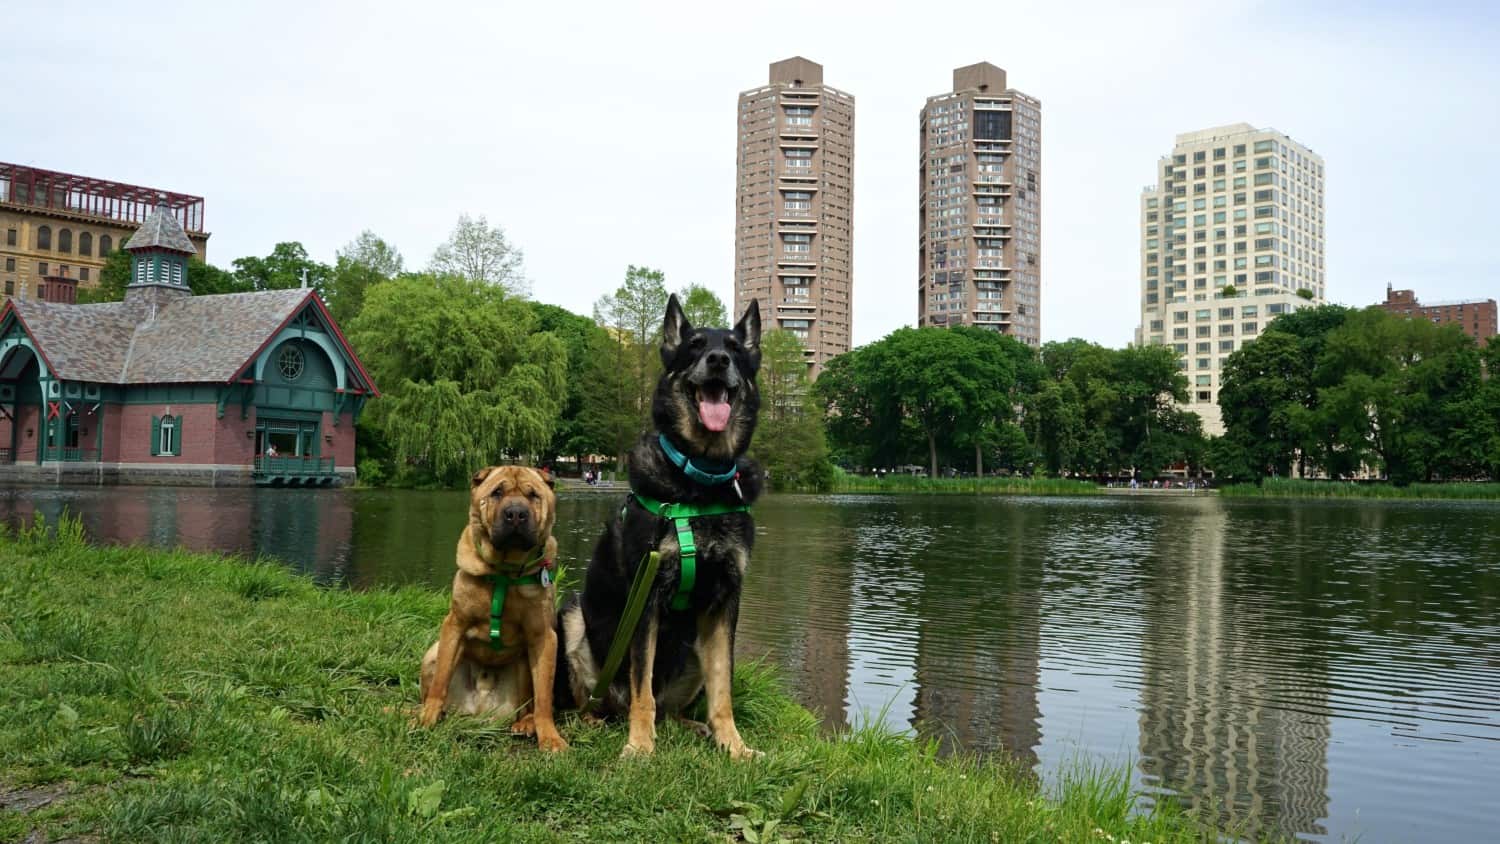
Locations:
{"points": [[155, 436], [177, 440]]}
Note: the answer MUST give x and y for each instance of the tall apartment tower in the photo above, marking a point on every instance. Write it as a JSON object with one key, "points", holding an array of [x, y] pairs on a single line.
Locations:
{"points": [[979, 239], [1231, 238], [794, 208]]}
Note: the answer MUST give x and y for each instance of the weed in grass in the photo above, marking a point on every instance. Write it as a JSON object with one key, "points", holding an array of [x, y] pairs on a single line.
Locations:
{"points": [[163, 732]]}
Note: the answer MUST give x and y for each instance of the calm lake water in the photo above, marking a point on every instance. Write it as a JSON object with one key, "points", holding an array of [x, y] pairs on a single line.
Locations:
{"points": [[1324, 670]]}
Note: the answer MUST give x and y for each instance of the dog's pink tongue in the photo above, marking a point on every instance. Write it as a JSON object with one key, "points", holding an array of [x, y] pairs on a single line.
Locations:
{"points": [[714, 413]]}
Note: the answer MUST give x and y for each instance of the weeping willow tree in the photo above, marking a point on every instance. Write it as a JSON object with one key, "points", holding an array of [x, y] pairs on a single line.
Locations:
{"points": [[468, 378]]}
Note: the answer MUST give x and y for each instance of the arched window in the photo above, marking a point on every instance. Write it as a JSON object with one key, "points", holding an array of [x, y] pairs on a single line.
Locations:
{"points": [[44, 237], [166, 436], [85, 243], [65, 240], [106, 245]]}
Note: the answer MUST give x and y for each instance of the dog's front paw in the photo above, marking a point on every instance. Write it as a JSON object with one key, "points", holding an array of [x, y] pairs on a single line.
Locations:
{"points": [[431, 713], [524, 726], [742, 753], [553, 743], [635, 750]]}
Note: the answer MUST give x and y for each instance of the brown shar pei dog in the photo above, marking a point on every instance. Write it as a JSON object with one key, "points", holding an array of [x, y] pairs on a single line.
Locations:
{"points": [[508, 538]]}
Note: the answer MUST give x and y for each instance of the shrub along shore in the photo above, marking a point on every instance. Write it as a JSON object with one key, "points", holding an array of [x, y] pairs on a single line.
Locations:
{"points": [[1298, 488], [170, 696]]}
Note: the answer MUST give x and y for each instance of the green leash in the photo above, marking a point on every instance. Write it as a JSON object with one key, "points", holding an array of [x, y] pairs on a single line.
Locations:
{"points": [[645, 576], [501, 583]]}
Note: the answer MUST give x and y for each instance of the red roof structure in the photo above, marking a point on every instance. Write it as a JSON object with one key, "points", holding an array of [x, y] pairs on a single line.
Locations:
{"points": [[65, 193]]}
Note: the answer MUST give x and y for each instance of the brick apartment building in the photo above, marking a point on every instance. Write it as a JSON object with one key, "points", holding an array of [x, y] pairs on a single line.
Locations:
{"points": [[60, 224], [794, 208], [1476, 317], [979, 207]]}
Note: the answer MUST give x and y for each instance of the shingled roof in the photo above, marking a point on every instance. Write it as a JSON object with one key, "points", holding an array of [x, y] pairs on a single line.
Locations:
{"points": [[191, 339], [161, 230]]}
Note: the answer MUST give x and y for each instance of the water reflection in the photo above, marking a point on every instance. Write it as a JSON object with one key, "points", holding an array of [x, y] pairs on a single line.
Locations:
{"points": [[1313, 670], [1228, 717]]}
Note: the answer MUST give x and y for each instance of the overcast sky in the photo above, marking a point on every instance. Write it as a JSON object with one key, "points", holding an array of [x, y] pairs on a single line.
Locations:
{"points": [[603, 134]]}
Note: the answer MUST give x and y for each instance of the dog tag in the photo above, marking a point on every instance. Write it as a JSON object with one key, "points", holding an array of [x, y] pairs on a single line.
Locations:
{"points": [[737, 490], [546, 578]]}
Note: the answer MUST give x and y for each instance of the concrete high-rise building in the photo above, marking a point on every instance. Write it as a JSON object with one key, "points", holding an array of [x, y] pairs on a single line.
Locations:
{"points": [[1231, 237], [794, 207], [979, 238]]}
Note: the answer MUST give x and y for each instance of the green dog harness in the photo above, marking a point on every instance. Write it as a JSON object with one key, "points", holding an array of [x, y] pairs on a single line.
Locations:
{"points": [[501, 583], [679, 514], [645, 575]]}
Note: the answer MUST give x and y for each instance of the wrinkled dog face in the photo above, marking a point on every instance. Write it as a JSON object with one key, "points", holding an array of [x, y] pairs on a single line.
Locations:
{"points": [[514, 505], [707, 399]]}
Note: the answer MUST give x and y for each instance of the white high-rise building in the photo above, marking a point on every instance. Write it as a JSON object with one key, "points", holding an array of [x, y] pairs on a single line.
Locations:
{"points": [[1231, 237]]}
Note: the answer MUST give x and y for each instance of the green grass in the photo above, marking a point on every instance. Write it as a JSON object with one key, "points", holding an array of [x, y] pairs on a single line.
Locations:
{"points": [[185, 697], [1298, 488], [866, 484]]}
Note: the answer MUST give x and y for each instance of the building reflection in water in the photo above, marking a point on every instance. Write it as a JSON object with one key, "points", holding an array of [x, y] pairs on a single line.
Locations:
{"points": [[1230, 722], [309, 529], [979, 652]]}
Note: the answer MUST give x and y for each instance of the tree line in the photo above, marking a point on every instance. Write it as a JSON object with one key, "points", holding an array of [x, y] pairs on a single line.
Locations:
{"points": [[475, 372], [1337, 391], [968, 397], [1327, 391]]}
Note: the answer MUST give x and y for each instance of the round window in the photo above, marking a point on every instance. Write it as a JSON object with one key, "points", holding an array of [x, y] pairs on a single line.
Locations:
{"points": [[290, 362]]}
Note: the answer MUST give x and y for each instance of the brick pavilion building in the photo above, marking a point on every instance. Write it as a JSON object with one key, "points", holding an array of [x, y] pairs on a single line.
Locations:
{"points": [[168, 387]]}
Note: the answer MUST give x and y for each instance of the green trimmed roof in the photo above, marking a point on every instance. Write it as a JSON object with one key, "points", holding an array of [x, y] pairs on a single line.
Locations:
{"points": [[162, 231]]}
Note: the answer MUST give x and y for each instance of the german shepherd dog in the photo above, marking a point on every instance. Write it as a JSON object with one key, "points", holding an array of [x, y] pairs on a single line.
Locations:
{"points": [[705, 407]]}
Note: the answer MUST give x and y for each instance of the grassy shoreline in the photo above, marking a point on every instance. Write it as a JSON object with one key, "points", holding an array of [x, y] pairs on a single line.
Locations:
{"points": [[173, 696], [1299, 488]]}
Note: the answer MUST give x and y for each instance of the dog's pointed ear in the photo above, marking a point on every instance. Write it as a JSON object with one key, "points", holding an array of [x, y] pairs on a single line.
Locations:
{"points": [[747, 330], [480, 475], [675, 331]]}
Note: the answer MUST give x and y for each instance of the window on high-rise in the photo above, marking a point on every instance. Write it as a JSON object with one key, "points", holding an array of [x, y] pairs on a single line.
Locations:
{"points": [[992, 125]]}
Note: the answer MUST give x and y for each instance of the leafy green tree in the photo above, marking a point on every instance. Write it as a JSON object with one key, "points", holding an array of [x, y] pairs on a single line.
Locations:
{"points": [[1055, 420], [1105, 411], [1398, 387], [365, 261], [481, 253], [1150, 385], [283, 269], [790, 442], [208, 280], [923, 381], [633, 314], [1264, 384], [608, 421], [113, 278], [468, 377], [702, 308], [591, 420]]}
